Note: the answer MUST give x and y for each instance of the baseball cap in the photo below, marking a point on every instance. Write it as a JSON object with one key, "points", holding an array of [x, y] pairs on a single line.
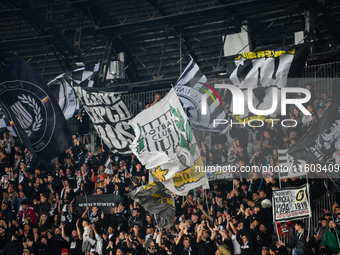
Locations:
{"points": [[64, 250]]}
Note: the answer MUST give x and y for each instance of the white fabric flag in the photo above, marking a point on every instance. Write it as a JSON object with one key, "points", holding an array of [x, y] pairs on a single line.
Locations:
{"points": [[165, 144]]}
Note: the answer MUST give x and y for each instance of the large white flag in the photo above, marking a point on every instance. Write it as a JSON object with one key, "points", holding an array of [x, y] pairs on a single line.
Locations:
{"points": [[165, 144]]}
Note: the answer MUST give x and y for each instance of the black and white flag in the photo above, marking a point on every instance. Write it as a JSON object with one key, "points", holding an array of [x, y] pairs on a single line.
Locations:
{"points": [[109, 116], [33, 111], [265, 68], [191, 88], [61, 86], [291, 166], [323, 139]]}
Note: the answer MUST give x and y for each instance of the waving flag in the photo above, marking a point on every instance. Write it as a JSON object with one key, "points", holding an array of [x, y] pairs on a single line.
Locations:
{"points": [[165, 144], [156, 199], [109, 116], [32, 111], [61, 86], [191, 87], [323, 139], [265, 68]]}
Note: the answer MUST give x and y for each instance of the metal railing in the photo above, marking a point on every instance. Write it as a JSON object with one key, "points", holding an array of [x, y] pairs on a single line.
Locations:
{"points": [[324, 202]]}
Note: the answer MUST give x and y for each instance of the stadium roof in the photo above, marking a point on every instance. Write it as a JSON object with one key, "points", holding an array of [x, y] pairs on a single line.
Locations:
{"points": [[157, 36]]}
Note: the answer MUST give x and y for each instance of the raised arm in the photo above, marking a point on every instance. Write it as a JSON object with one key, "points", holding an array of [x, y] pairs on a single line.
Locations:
{"points": [[67, 239]]}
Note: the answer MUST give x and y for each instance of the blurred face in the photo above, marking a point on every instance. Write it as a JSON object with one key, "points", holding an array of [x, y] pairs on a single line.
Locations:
{"points": [[43, 217], [2, 231], [121, 236], [74, 234], [119, 252], [244, 238], [323, 223], [134, 213], [255, 196], [44, 240], [136, 228], [57, 231], [262, 228], [24, 207], [332, 224], [186, 243], [3, 206], [194, 218], [110, 230], [94, 209], [324, 96], [264, 252]]}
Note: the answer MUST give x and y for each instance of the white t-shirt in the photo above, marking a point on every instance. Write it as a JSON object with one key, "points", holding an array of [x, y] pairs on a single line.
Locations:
{"points": [[236, 245]]}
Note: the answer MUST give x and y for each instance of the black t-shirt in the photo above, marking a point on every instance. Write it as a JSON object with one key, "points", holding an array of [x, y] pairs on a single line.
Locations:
{"points": [[75, 247], [206, 247]]}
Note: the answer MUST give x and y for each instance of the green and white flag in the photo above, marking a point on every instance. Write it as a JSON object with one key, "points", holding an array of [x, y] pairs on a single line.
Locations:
{"points": [[165, 144]]}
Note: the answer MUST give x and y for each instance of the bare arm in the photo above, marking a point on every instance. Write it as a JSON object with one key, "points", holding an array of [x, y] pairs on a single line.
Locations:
{"points": [[67, 239]]}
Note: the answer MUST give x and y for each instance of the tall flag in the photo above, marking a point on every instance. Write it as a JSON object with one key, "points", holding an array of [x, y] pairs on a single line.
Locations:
{"points": [[156, 199], [32, 111], [293, 167], [61, 87], [109, 116], [190, 88], [265, 68], [165, 144], [323, 139]]}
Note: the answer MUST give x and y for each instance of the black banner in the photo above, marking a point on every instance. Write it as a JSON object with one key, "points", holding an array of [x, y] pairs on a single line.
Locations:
{"points": [[109, 116], [33, 112], [104, 203], [322, 140]]}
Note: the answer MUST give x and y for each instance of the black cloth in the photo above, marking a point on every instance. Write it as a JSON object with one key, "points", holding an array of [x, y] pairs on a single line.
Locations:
{"points": [[13, 248]]}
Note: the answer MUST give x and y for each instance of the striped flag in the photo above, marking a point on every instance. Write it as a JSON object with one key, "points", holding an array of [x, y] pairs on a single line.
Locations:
{"points": [[191, 87], [61, 86]]}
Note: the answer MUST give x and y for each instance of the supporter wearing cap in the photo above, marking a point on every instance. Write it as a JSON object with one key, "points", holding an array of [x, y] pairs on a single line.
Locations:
{"points": [[64, 251], [150, 234]]}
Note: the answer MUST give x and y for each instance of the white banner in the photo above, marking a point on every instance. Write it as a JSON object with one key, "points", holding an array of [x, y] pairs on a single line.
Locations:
{"points": [[165, 144], [291, 204]]}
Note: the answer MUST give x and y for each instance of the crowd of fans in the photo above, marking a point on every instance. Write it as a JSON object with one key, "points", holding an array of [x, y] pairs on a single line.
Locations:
{"points": [[38, 214]]}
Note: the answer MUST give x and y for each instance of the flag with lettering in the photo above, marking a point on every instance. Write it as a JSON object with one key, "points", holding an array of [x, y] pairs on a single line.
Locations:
{"points": [[165, 144], [33, 112], [265, 68], [109, 116]]}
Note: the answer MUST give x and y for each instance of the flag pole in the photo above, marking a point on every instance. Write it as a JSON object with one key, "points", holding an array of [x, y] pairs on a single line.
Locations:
{"points": [[266, 169], [307, 186]]}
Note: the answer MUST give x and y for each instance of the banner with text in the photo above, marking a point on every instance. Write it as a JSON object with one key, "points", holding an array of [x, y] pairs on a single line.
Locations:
{"points": [[104, 203], [290, 204]]}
